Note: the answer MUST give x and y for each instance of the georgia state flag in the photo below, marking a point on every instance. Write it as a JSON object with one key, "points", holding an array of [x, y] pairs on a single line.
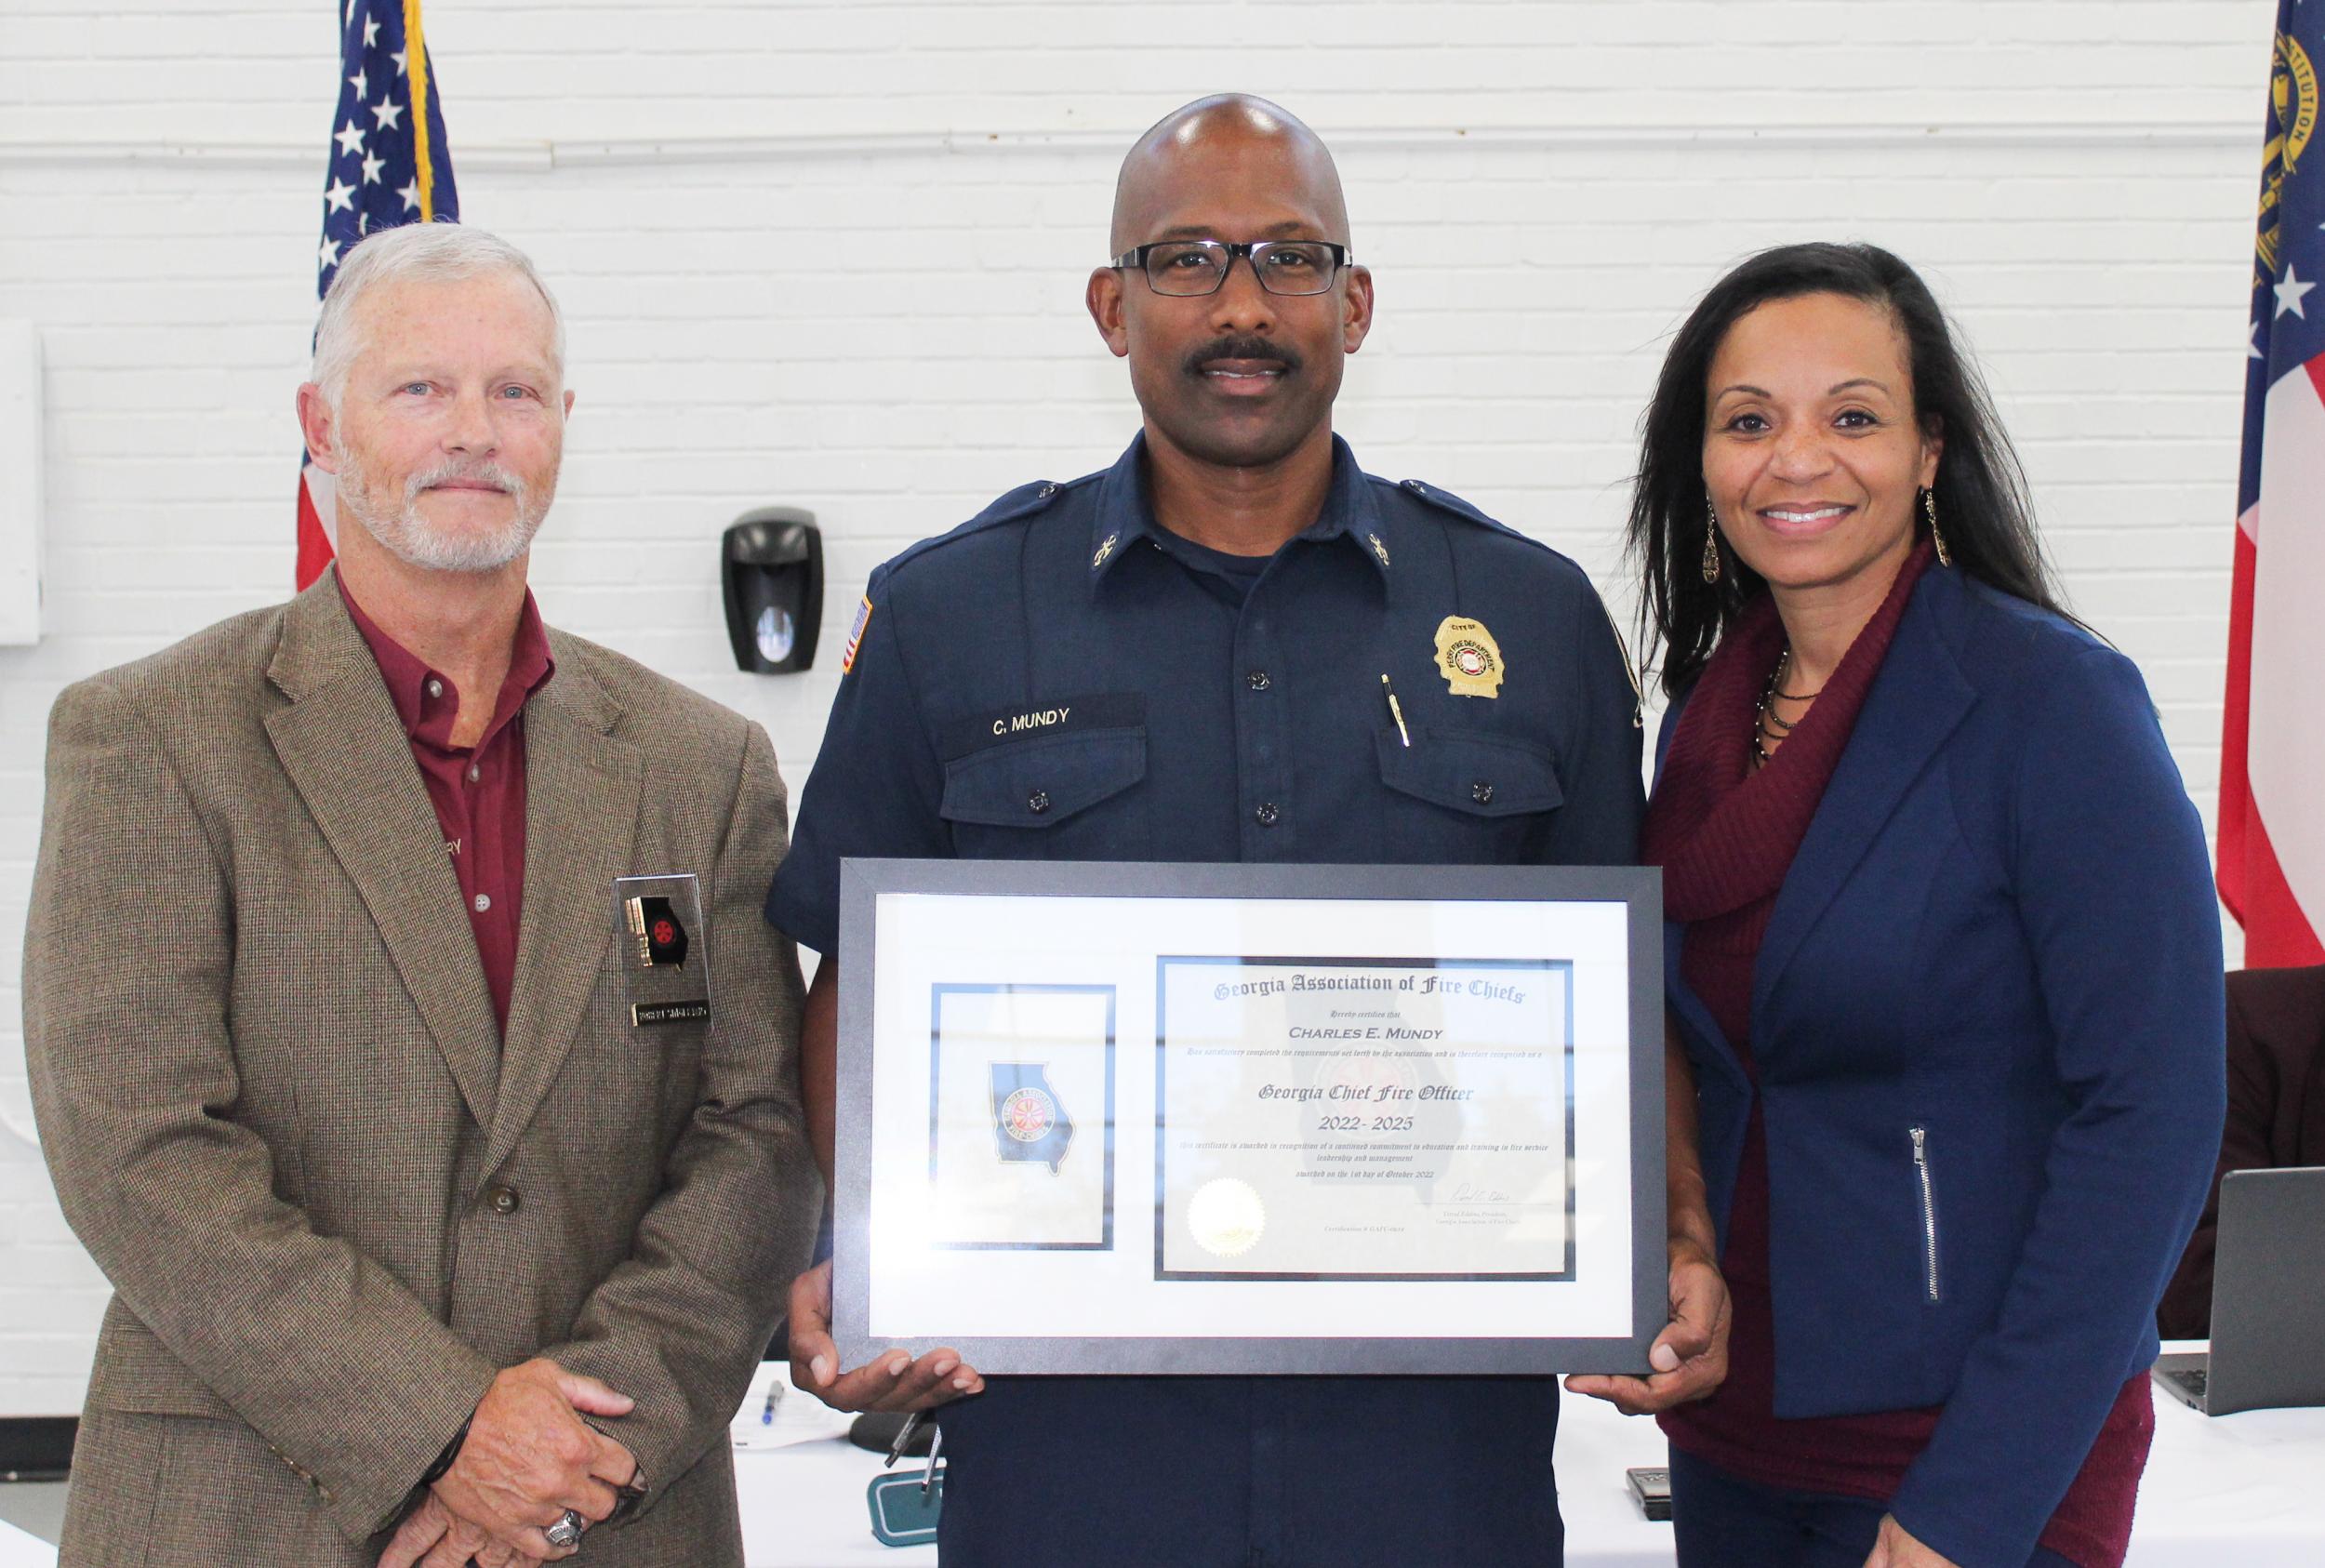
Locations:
{"points": [[2272, 768]]}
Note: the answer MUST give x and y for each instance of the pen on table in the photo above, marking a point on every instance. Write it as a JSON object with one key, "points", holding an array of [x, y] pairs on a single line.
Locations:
{"points": [[1395, 711], [766, 1416]]}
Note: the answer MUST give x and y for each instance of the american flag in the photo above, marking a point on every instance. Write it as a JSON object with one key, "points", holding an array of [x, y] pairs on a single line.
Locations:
{"points": [[2272, 773], [388, 164]]}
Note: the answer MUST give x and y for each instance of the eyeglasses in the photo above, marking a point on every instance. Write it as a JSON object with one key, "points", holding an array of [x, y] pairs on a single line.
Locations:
{"points": [[1195, 267]]}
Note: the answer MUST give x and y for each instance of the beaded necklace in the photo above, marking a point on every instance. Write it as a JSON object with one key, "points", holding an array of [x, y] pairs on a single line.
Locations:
{"points": [[1766, 724]]}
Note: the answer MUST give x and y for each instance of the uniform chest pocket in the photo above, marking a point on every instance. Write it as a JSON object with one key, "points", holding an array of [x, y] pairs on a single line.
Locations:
{"points": [[1480, 797], [1063, 797]]}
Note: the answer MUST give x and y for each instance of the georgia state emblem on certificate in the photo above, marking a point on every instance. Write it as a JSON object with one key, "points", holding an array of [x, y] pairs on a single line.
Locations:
{"points": [[1028, 1115], [1028, 1124]]}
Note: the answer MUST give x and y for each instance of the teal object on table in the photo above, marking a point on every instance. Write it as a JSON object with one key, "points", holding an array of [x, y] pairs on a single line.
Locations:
{"points": [[904, 1508]]}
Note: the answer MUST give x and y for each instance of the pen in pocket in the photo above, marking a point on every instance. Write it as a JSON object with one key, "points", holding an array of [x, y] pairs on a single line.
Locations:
{"points": [[1395, 711]]}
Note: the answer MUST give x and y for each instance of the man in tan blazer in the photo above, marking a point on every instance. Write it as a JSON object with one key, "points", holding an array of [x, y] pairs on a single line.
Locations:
{"points": [[407, 1045]]}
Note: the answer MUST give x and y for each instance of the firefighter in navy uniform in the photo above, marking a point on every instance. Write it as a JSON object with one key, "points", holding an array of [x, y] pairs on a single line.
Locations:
{"points": [[1232, 644]]}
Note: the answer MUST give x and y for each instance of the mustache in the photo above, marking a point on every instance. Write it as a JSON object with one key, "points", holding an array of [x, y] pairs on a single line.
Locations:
{"points": [[1241, 347], [478, 471]]}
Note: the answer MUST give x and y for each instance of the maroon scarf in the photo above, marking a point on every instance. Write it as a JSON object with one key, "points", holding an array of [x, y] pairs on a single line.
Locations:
{"points": [[1726, 835]]}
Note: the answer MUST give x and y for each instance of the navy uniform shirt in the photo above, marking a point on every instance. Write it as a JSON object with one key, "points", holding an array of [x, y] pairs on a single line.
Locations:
{"points": [[1064, 679]]}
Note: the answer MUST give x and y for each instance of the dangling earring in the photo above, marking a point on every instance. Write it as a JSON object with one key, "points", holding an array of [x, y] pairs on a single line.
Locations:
{"points": [[1711, 539], [1928, 509]]}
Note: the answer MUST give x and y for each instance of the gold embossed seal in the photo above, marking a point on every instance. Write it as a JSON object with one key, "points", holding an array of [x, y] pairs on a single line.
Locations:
{"points": [[1226, 1218]]}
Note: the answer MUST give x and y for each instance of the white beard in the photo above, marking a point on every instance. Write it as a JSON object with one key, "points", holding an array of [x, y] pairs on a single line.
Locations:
{"points": [[412, 539]]}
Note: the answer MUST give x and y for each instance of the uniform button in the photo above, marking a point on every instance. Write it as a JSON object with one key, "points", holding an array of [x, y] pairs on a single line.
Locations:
{"points": [[502, 1200], [1256, 679], [475, 772], [1038, 801], [1417, 487], [1482, 793], [1267, 813], [1046, 491], [484, 902], [435, 688]]}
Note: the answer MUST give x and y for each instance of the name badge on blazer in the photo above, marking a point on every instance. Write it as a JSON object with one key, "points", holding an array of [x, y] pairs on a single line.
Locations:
{"points": [[665, 955]]}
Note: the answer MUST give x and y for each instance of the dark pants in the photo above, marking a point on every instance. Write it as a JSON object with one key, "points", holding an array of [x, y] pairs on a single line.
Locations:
{"points": [[1252, 1472], [1719, 1521]]}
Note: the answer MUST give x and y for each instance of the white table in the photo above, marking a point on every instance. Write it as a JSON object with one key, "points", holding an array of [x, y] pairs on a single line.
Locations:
{"points": [[20, 1548], [2237, 1492], [2244, 1491]]}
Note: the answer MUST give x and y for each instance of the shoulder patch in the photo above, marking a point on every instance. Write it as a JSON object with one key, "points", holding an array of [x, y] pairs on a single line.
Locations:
{"points": [[856, 634]]}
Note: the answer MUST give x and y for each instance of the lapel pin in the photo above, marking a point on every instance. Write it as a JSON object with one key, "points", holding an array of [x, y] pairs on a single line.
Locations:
{"points": [[660, 934]]}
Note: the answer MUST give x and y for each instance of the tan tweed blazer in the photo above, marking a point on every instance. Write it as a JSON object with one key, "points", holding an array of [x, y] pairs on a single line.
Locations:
{"points": [[279, 1114]]}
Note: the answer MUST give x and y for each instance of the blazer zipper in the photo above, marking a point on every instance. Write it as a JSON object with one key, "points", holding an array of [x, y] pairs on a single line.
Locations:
{"points": [[1929, 1205]]}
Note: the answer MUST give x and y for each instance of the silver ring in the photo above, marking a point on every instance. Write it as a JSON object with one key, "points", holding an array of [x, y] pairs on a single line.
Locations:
{"points": [[567, 1532]]}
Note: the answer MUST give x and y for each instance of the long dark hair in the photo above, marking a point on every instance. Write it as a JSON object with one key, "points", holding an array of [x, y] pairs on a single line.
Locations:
{"points": [[1983, 507]]}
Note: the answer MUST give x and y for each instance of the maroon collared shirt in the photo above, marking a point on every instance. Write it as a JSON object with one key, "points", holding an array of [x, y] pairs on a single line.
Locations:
{"points": [[478, 790]]}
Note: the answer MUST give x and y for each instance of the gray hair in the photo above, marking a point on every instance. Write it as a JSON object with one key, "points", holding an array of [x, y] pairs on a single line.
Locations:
{"points": [[437, 252]]}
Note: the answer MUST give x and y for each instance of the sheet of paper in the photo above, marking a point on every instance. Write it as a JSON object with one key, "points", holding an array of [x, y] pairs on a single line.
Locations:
{"points": [[1328, 1118]]}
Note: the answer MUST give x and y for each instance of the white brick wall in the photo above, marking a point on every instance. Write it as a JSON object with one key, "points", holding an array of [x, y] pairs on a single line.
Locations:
{"points": [[832, 255]]}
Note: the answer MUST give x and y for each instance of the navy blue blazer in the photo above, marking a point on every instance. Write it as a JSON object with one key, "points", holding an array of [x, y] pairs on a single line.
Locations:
{"points": [[1989, 1027]]}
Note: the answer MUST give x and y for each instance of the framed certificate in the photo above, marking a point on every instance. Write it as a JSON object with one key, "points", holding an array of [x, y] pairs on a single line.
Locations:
{"points": [[1118, 1118]]}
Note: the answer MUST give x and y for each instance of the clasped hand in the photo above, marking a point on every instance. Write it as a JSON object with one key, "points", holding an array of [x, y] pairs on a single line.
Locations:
{"points": [[889, 1382], [527, 1458]]}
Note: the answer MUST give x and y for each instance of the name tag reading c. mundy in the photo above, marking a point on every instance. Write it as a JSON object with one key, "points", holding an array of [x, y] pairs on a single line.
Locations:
{"points": [[665, 959], [1099, 1118]]}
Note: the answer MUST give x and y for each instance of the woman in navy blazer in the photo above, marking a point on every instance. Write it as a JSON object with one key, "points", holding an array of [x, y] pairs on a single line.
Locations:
{"points": [[1943, 951]]}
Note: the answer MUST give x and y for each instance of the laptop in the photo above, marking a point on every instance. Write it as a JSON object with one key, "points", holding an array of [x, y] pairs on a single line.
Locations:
{"points": [[2267, 1299]]}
